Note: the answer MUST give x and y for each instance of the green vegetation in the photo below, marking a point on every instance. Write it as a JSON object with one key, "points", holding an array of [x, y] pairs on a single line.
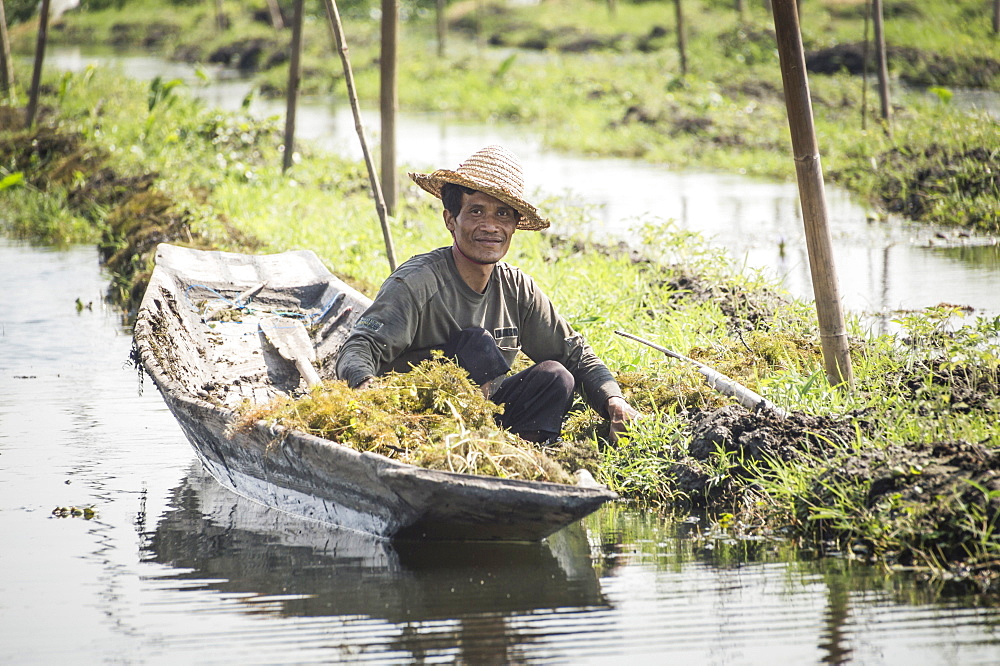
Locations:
{"points": [[901, 471], [433, 416], [593, 82]]}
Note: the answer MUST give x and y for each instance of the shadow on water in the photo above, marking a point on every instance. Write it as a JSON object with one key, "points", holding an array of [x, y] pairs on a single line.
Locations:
{"points": [[217, 540]]}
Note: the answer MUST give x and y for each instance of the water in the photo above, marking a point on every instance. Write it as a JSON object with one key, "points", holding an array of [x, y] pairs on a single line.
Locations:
{"points": [[882, 266], [173, 568]]}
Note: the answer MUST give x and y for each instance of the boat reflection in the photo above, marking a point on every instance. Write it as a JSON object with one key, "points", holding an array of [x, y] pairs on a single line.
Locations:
{"points": [[233, 545]]}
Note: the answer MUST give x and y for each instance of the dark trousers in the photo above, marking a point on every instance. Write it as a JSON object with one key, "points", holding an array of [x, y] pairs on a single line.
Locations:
{"points": [[535, 400]]}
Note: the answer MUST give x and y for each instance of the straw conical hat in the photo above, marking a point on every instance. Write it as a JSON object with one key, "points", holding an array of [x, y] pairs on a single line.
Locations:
{"points": [[495, 171]]}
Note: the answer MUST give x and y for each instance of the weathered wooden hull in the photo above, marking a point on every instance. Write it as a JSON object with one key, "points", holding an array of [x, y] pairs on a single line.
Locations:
{"points": [[203, 369]]}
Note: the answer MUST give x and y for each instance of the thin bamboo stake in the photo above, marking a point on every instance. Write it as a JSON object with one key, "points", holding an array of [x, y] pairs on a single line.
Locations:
{"points": [[388, 101], [6, 64], [864, 69], [996, 17], [442, 27], [809, 172], [277, 22], [36, 74], [883, 66], [337, 31], [294, 78], [681, 44], [220, 16]]}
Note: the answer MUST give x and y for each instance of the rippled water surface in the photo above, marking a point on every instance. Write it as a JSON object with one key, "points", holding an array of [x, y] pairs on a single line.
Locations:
{"points": [[175, 569]]}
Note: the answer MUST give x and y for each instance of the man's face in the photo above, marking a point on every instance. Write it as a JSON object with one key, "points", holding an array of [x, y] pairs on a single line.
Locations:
{"points": [[483, 228]]}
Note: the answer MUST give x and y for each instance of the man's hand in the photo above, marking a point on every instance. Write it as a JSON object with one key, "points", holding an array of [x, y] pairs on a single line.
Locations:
{"points": [[365, 384], [620, 413]]}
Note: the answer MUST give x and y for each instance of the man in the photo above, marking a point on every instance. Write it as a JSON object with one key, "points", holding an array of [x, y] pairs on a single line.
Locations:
{"points": [[481, 311]]}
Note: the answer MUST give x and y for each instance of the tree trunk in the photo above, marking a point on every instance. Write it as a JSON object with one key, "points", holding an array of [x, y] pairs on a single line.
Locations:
{"points": [[809, 173], [277, 22]]}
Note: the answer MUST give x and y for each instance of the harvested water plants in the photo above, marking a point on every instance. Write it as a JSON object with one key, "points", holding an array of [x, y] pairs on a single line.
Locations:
{"points": [[902, 472]]}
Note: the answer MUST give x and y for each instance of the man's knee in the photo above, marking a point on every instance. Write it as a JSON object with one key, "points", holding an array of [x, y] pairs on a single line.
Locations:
{"points": [[558, 377], [475, 350]]}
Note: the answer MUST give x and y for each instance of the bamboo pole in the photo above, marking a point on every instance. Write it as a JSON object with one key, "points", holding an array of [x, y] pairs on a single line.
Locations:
{"points": [[36, 74], [6, 64], [294, 78], [220, 16], [442, 27], [741, 7], [880, 58], [809, 172], [681, 44], [996, 17], [388, 101], [337, 31], [864, 68], [277, 22]]}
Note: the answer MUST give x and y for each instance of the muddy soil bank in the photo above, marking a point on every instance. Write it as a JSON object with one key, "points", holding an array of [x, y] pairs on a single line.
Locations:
{"points": [[731, 452], [935, 501], [131, 216]]}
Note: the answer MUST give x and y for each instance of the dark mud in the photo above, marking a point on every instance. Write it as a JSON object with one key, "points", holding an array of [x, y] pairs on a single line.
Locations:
{"points": [[730, 447], [937, 503], [131, 213], [926, 507], [942, 174], [745, 309], [937, 386], [915, 66]]}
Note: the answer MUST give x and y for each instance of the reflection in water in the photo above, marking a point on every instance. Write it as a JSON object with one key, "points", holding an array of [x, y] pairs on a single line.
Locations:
{"points": [[217, 579], [446, 598], [983, 257]]}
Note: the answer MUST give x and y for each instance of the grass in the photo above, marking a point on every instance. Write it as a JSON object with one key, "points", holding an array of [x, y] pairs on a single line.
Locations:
{"points": [[594, 83], [127, 165]]}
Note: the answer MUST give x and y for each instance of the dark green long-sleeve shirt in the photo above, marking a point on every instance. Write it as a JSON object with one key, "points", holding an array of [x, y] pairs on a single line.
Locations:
{"points": [[426, 300]]}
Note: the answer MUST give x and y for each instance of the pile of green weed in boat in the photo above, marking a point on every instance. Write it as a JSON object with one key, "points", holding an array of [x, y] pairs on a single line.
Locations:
{"points": [[433, 417]]}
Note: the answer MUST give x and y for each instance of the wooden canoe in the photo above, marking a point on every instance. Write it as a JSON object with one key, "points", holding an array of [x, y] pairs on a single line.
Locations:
{"points": [[207, 356]]}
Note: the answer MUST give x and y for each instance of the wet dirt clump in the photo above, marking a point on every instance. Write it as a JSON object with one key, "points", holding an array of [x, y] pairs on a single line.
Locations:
{"points": [[745, 309], [915, 66], [45, 154], [916, 181], [942, 386], [131, 212], [124, 35], [730, 446], [928, 505], [245, 54]]}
